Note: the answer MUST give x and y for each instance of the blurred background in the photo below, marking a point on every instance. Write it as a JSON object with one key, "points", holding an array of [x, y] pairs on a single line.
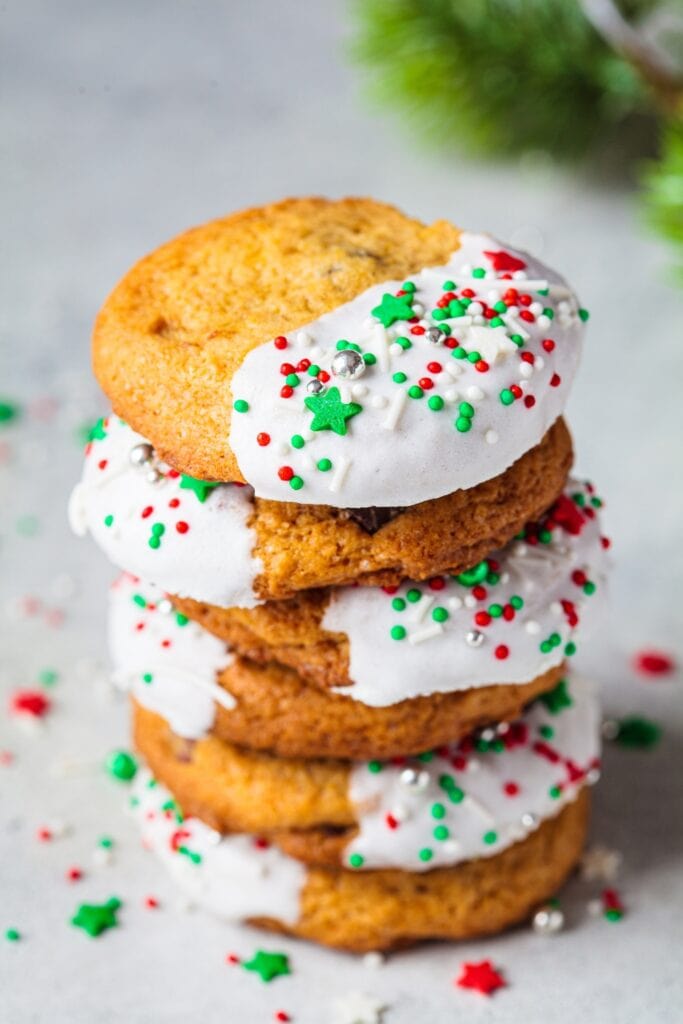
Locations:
{"points": [[124, 123]]}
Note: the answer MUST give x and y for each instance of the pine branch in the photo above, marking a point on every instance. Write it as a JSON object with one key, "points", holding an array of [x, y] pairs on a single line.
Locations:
{"points": [[664, 191]]}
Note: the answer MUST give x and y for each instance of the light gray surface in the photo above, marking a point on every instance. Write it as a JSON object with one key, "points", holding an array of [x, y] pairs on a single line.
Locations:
{"points": [[120, 125]]}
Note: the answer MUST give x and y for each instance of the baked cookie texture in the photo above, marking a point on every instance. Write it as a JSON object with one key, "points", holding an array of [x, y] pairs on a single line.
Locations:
{"points": [[306, 546], [172, 333], [383, 910]]}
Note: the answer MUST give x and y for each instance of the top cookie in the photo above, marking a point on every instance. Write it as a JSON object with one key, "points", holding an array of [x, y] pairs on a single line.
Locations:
{"points": [[339, 353]]}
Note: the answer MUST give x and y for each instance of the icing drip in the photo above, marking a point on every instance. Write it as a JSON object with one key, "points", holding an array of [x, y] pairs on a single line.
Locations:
{"points": [[412, 390], [507, 621], [189, 537], [236, 877], [167, 662], [475, 798]]}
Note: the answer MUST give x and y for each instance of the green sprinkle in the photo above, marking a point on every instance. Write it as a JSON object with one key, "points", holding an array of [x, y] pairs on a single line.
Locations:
{"points": [[8, 411], [342, 344], [296, 483], [506, 396], [458, 352], [407, 286], [405, 343], [441, 832], [518, 339], [638, 733], [108, 520], [158, 530], [554, 792], [11, 934], [467, 410], [106, 842], [435, 403], [241, 406], [425, 854], [415, 391], [313, 370], [297, 441], [439, 614], [438, 811], [324, 465], [374, 767], [147, 677], [414, 595], [441, 314], [570, 648], [589, 588], [398, 633], [398, 604], [495, 611], [426, 756], [181, 620], [48, 677], [121, 765], [547, 732], [490, 838], [154, 542], [463, 424], [369, 359], [399, 378], [496, 322], [356, 860], [584, 314], [449, 286], [517, 602], [292, 379], [474, 357], [478, 272]]}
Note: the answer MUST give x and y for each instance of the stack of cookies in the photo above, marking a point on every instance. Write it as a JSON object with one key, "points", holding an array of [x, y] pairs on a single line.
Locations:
{"points": [[354, 570]]}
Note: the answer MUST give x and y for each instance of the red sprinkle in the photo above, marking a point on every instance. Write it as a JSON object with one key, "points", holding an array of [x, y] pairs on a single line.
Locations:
{"points": [[102, 464], [438, 583], [391, 821], [482, 366], [529, 401], [263, 440], [286, 369], [174, 502], [548, 344], [29, 702], [181, 526], [482, 618], [434, 367], [74, 874], [286, 391], [555, 380], [426, 383], [511, 789], [280, 342], [151, 902], [501, 652], [516, 390], [281, 1016], [285, 472], [653, 663], [232, 958], [147, 511]]}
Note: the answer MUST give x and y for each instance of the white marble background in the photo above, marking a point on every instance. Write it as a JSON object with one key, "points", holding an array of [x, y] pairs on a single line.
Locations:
{"points": [[121, 124]]}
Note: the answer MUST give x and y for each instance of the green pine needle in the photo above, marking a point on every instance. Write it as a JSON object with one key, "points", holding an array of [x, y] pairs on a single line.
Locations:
{"points": [[499, 76], [664, 191]]}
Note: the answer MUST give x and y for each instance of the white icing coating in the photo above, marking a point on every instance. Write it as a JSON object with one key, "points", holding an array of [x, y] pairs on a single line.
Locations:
{"points": [[166, 661], [117, 502], [235, 876], [437, 656], [462, 803], [398, 450]]}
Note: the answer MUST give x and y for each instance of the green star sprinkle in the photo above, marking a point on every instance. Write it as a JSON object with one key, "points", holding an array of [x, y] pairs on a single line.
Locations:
{"points": [[558, 698], [200, 488], [393, 308], [95, 918], [268, 965], [98, 433], [329, 412]]}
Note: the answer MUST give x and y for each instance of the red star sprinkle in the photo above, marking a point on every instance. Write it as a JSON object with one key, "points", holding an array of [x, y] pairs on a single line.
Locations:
{"points": [[29, 702], [653, 663], [483, 977]]}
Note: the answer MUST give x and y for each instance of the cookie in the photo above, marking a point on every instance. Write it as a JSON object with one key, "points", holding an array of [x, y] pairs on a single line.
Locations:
{"points": [[176, 668], [339, 353], [240, 877], [222, 546], [508, 619], [469, 799]]}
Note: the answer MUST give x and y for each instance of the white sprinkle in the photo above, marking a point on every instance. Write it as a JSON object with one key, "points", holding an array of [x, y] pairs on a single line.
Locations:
{"points": [[452, 395], [359, 390], [455, 603], [556, 608], [282, 448], [470, 601], [432, 629], [381, 347], [303, 339], [543, 321], [474, 393], [453, 368], [373, 960], [420, 608], [395, 349], [525, 369], [475, 309], [396, 407], [451, 847], [536, 308], [339, 475], [479, 809], [491, 437], [379, 402], [532, 627], [539, 362]]}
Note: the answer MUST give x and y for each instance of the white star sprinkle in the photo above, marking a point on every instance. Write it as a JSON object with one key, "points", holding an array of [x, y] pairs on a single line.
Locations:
{"points": [[358, 1008]]}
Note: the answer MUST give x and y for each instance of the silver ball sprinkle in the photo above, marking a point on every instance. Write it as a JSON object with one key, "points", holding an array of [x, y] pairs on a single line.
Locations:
{"points": [[153, 476], [434, 335], [549, 920], [474, 638], [348, 364], [315, 387], [414, 779], [609, 729], [529, 819], [141, 454]]}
